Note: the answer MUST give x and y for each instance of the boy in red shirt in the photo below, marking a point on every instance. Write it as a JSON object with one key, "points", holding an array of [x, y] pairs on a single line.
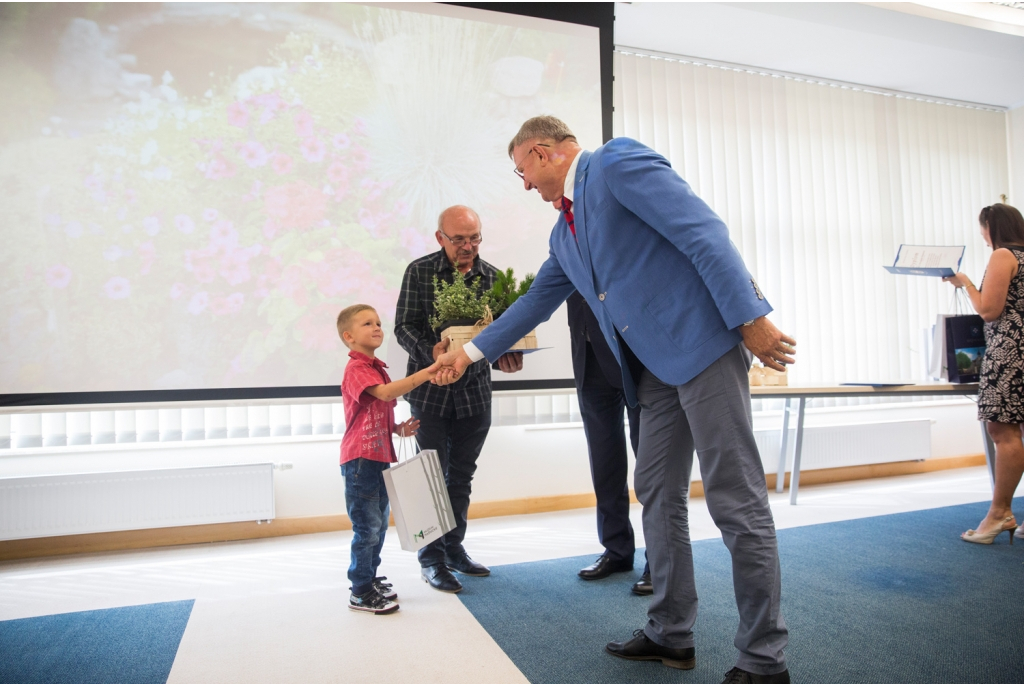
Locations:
{"points": [[370, 397]]}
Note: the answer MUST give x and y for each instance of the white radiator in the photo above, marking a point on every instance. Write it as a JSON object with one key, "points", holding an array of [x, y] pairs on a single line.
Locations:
{"points": [[855, 444], [43, 506]]}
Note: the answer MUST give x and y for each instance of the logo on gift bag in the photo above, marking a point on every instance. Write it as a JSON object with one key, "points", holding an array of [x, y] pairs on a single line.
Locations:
{"points": [[417, 535]]}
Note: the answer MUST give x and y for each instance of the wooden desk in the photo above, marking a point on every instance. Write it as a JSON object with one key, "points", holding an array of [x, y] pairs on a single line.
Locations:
{"points": [[801, 393]]}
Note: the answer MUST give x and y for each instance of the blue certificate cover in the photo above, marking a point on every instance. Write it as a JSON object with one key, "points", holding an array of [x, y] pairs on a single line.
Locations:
{"points": [[927, 260]]}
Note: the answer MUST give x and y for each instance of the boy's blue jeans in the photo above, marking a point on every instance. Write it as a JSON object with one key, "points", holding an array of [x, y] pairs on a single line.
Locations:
{"points": [[366, 501]]}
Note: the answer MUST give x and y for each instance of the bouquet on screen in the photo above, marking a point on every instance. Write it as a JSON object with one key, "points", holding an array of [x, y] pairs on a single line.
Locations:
{"points": [[463, 311]]}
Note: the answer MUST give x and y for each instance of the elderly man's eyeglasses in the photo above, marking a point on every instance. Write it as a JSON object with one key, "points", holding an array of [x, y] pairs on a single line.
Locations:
{"points": [[518, 171], [460, 241]]}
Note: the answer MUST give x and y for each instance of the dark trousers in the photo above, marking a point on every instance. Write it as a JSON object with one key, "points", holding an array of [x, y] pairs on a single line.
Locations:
{"points": [[601, 405], [458, 443], [366, 500]]}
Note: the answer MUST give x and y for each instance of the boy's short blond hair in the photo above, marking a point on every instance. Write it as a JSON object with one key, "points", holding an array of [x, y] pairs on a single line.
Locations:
{"points": [[346, 316]]}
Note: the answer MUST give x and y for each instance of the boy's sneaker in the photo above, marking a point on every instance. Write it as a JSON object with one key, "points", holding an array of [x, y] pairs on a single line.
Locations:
{"points": [[371, 602], [384, 589]]}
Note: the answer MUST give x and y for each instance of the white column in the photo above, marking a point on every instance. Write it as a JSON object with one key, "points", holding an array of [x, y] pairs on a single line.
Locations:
{"points": [[170, 425], [338, 417], [322, 422], [192, 424], [543, 409], [124, 425], [27, 430], [259, 421], [238, 422], [79, 427], [147, 425], [215, 420], [526, 410], [280, 419], [302, 419], [102, 424], [5, 431], [560, 408], [506, 411], [55, 431]]}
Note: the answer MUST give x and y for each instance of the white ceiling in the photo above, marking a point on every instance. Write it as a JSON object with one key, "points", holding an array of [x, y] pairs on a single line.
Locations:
{"points": [[852, 42]]}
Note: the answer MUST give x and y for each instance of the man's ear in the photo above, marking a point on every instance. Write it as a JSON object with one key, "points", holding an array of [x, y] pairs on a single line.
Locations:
{"points": [[440, 240]]}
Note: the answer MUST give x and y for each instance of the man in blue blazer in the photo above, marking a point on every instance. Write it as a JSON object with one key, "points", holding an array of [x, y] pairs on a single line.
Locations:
{"points": [[656, 265]]}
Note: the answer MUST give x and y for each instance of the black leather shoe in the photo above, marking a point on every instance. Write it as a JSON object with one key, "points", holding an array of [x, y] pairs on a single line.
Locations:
{"points": [[643, 586], [604, 567], [467, 566], [440, 578], [738, 675], [641, 648]]}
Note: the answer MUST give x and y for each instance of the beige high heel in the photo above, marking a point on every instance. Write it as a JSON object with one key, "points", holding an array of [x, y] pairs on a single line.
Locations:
{"points": [[1009, 525]]}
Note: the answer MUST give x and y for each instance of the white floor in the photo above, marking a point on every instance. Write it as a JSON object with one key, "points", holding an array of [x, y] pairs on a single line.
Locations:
{"points": [[274, 610]]}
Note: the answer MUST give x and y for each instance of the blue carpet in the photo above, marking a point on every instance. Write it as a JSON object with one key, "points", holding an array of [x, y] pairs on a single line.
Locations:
{"points": [[124, 645], [888, 599]]}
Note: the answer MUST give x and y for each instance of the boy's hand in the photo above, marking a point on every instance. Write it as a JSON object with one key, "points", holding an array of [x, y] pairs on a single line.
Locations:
{"points": [[433, 368], [408, 428], [454, 363]]}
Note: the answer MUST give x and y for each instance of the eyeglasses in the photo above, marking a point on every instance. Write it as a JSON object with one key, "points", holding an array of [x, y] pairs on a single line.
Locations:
{"points": [[459, 241], [517, 171]]}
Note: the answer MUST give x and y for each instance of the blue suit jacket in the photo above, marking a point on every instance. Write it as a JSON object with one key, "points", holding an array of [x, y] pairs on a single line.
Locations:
{"points": [[654, 263]]}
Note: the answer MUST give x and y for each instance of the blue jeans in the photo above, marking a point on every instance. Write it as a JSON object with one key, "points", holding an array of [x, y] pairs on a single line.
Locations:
{"points": [[366, 501]]}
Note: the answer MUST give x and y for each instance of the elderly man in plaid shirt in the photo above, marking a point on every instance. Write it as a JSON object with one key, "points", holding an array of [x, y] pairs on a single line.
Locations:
{"points": [[454, 419]]}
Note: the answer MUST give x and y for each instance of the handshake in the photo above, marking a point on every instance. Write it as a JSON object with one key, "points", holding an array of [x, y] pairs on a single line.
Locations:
{"points": [[448, 367]]}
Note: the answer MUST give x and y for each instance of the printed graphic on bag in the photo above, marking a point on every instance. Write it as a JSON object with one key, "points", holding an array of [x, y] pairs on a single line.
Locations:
{"points": [[968, 359]]}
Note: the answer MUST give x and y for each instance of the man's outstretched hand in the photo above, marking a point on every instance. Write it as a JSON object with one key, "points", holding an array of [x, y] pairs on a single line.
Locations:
{"points": [[453, 365], [773, 347]]}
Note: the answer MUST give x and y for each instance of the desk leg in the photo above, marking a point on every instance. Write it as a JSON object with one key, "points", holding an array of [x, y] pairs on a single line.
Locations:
{"points": [[780, 479], [990, 454], [794, 479]]}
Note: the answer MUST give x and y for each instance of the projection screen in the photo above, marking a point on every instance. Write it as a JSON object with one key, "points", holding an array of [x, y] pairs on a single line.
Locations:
{"points": [[192, 191]]}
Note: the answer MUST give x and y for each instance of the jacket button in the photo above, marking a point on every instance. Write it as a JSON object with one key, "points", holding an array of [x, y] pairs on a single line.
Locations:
{"points": [[601, 297]]}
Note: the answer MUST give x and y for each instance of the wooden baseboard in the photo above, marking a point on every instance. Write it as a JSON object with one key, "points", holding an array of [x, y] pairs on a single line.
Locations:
{"points": [[249, 530]]}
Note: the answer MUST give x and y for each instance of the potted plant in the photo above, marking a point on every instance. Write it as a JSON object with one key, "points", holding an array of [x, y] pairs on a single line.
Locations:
{"points": [[462, 311]]}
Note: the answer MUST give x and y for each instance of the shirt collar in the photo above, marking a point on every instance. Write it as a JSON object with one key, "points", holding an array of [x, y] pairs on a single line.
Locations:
{"points": [[359, 356], [570, 177], [442, 264]]}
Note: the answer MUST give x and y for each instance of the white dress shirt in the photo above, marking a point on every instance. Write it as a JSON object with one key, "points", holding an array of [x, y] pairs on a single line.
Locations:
{"points": [[476, 355]]}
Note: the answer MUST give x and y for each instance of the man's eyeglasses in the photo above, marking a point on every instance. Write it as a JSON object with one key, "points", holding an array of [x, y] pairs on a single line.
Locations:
{"points": [[459, 241], [518, 170]]}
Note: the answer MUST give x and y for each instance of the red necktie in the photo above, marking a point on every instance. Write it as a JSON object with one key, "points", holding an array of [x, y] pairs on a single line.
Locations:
{"points": [[567, 208]]}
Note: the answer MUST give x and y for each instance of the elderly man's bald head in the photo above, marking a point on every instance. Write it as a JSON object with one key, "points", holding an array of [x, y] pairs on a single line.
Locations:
{"points": [[459, 233]]}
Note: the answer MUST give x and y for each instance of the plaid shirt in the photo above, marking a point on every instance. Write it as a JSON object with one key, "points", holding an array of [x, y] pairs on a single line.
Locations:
{"points": [[471, 394]]}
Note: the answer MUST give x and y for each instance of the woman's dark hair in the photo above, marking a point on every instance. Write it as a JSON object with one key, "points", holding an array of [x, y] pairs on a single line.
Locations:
{"points": [[1005, 225]]}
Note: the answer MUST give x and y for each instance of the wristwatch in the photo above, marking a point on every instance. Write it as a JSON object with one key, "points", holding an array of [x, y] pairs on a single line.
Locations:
{"points": [[749, 323]]}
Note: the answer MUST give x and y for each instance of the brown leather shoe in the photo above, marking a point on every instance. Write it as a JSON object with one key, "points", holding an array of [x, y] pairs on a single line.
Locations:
{"points": [[642, 648]]}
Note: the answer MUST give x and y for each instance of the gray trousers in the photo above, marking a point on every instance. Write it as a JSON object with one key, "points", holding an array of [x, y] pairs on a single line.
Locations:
{"points": [[711, 414]]}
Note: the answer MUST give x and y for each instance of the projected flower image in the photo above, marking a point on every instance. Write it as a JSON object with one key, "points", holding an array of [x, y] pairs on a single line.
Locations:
{"points": [[197, 216]]}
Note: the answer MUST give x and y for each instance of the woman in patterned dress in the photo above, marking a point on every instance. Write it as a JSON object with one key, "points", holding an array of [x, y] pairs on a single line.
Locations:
{"points": [[1000, 302]]}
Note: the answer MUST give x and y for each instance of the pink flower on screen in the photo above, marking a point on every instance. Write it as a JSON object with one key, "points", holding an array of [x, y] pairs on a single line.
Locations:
{"points": [[340, 141], [58, 276], [147, 253], [219, 306], [359, 126], [73, 229], [253, 153], [151, 225], [117, 288], [219, 168], [295, 205], [223, 234], [238, 115], [177, 290], [93, 183], [113, 253], [303, 124], [282, 164], [317, 328], [339, 174], [184, 223], [202, 264], [197, 305], [235, 302], [234, 268], [313, 149], [416, 242], [210, 214]]}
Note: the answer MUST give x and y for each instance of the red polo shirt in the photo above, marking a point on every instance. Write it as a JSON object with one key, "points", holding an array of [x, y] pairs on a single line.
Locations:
{"points": [[369, 422]]}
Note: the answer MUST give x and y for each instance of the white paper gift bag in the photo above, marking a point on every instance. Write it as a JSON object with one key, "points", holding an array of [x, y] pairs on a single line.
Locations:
{"points": [[419, 500]]}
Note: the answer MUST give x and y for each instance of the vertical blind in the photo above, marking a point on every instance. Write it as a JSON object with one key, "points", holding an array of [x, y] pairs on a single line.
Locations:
{"points": [[819, 185]]}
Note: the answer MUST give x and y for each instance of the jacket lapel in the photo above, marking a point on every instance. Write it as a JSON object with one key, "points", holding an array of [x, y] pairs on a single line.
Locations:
{"points": [[580, 214]]}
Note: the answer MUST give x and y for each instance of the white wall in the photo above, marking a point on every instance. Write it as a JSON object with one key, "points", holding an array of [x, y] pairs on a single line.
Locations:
{"points": [[1016, 135]]}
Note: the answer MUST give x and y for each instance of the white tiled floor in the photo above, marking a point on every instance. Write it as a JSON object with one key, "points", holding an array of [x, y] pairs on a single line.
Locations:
{"points": [[274, 610]]}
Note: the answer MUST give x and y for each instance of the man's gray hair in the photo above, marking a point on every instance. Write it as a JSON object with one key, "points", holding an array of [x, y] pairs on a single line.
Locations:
{"points": [[443, 214], [543, 127]]}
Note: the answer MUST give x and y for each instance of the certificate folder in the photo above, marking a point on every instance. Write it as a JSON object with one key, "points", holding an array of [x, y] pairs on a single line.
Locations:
{"points": [[927, 260]]}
